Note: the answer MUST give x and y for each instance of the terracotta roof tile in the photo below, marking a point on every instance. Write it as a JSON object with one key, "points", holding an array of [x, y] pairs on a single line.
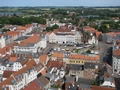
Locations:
{"points": [[88, 28], [24, 62], [31, 62], [59, 55], [64, 27], [39, 66], [21, 71], [56, 64], [76, 56], [79, 56], [116, 52], [6, 82], [102, 88], [7, 73], [32, 86], [13, 59], [21, 28], [44, 72], [12, 33], [4, 50], [31, 40], [43, 58], [29, 65], [28, 25]]}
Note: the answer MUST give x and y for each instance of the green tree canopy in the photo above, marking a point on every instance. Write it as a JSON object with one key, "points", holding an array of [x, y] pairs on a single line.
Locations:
{"points": [[55, 27], [103, 28], [89, 51]]}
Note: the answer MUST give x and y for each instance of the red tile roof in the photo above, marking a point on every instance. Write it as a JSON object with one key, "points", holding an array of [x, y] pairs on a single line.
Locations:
{"points": [[28, 25], [102, 88], [88, 28], [29, 65], [92, 30], [44, 72], [84, 57], [116, 52], [13, 59], [32, 86], [21, 28], [59, 55], [31, 40], [64, 27], [12, 33], [7, 73], [56, 64], [4, 50], [43, 58]]}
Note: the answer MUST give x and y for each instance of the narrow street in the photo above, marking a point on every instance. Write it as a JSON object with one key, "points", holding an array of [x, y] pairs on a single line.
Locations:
{"points": [[104, 51]]}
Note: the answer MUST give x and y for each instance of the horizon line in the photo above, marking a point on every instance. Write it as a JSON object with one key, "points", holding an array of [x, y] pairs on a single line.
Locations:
{"points": [[59, 6]]}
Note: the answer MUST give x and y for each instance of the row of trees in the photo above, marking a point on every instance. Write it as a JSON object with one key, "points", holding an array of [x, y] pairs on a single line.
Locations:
{"points": [[15, 20], [103, 27], [52, 28]]}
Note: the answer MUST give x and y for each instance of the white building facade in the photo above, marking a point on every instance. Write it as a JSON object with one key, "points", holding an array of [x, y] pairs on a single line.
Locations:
{"points": [[65, 37]]}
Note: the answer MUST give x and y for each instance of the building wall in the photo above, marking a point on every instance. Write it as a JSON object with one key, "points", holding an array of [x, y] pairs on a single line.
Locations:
{"points": [[76, 61], [2, 42], [52, 38], [60, 39], [24, 81], [92, 40], [43, 43], [80, 61], [47, 86], [16, 66], [76, 73], [66, 60], [78, 37], [2, 69], [33, 49], [116, 65], [70, 39]]}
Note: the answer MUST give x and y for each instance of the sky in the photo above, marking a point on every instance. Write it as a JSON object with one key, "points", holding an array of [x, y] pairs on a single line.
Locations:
{"points": [[59, 3]]}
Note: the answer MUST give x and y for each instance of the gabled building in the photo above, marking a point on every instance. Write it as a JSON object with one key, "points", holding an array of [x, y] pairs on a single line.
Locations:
{"points": [[90, 69], [2, 41], [116, 57], [92, 32], [20, 79], [81, 59], [30, 45], [43, 82], [64, 35], [110, 37]]}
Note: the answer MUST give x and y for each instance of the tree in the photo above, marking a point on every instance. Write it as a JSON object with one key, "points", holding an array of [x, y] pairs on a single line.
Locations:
{"points": [[103, 28], [1, 25], [89, 51], [95, 26], [5, 30], [54, 27], [95, 83]]}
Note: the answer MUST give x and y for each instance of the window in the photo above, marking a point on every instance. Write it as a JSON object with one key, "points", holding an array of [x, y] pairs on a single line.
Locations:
{"points": [[116, 67], [82, 61]]}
